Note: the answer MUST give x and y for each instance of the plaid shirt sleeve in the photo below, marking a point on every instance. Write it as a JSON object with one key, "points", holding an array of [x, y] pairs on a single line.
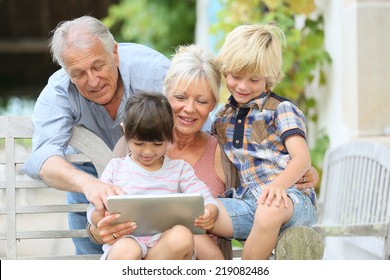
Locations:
{"points": [[289, 120]]}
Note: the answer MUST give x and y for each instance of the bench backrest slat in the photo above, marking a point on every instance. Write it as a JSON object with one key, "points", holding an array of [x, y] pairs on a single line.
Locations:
{"points": [[355, 194], [19, 189], [355, 188]]}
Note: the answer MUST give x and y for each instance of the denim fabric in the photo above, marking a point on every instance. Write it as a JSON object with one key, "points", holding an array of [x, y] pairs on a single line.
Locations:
{"points": [[305, 211], [242, 211], [79, 220]]}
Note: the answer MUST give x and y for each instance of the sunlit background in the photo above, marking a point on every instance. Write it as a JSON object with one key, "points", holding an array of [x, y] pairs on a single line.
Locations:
{"points": [[336, 59]]}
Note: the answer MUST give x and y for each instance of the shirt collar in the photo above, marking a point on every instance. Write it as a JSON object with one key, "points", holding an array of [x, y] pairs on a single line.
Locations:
{"points": [[258, 101]]}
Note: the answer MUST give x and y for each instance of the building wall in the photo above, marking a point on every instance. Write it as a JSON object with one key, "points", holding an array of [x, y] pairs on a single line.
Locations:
{"points": [[355, 103]]}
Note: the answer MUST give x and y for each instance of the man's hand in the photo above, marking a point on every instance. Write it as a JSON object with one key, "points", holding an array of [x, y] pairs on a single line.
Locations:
{"points": [[97, 193], [62, 175]]}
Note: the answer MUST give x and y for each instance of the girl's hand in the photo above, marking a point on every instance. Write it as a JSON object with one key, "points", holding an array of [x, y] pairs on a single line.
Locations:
{"points": [[110, 233], [205, 221]]}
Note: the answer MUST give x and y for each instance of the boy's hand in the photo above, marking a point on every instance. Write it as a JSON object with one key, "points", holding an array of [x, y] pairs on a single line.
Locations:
{"points": [[273, 192]]}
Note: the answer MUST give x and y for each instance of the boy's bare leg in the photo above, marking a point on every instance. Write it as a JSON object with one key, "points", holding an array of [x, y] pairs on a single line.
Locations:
{"points": [[264, 234]]}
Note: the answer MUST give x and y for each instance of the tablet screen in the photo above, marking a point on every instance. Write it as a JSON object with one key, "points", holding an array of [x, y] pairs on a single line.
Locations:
{"points": [[157, 213]]}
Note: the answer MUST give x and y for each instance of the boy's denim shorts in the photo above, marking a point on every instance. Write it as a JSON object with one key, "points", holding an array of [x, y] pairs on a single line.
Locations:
{"points": [[242, 211]]}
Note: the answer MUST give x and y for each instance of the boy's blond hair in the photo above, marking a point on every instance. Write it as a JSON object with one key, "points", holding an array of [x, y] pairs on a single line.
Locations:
{"points": [[255, 49]]}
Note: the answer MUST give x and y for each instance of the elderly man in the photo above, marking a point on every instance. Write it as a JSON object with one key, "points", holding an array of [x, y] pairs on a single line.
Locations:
{"points": [[97, 77]]}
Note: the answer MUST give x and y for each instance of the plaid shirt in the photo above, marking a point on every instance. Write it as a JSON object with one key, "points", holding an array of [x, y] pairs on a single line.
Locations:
{"points": [[253, 136]]}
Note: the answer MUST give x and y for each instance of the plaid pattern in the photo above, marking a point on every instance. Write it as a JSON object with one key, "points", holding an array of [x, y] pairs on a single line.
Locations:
{"points": [[253, 137]]}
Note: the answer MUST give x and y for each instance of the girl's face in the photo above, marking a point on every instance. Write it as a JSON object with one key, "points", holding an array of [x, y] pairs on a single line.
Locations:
{"points": [[245, 86], [148, 155], [191, 106]]}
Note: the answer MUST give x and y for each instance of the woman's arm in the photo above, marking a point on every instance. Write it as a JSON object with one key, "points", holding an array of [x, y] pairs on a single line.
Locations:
{"points": [[107, 233]]}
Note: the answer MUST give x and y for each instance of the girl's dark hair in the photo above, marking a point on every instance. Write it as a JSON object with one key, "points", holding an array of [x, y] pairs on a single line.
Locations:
{"points": [[148, 117]]}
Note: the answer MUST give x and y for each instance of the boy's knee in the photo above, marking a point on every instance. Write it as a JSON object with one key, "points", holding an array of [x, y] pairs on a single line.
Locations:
{"points": [[269, 217]]}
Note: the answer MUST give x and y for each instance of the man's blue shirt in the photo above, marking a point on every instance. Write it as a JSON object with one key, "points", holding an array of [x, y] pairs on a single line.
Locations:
{"points": [[60, 106]]}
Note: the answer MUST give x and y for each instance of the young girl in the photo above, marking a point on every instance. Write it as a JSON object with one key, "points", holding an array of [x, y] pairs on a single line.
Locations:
{"points": [[264, 137], [148, 128]]}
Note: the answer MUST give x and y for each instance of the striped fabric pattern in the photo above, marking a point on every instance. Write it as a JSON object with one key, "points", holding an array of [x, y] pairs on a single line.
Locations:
{"points": [[175, 176]]}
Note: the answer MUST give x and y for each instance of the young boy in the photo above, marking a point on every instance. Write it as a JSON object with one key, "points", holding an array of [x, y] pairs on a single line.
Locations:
{"points": [[263, 135], [148, 129]]}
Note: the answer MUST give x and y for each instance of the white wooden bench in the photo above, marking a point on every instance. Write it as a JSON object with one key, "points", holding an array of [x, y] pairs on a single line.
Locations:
{"points": [[28, 206], [354, 201], [30, 212]]}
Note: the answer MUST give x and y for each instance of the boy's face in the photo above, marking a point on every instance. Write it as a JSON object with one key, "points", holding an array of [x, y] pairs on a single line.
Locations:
{"points": [[245, 86]]}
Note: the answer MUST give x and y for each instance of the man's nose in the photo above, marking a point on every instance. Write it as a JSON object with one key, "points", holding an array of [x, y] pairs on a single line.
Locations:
{"points": [[93, 79]]}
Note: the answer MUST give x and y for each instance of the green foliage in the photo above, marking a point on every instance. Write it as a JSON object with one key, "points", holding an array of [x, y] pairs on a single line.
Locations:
{"points": [[304, 56], [162, 25], [236, 243], [317, 152], [24, 142]]}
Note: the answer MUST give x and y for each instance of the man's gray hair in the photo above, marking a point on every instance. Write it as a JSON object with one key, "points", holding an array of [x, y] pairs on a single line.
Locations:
{"points": [[81, 33]]}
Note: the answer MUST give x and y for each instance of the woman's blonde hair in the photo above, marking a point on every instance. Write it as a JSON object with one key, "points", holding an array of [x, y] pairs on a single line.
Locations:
{"points": [[193, 63], [255, 49]]}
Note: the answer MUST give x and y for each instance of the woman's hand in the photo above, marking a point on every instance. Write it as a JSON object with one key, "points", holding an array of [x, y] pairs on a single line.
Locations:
{"points": [[110, 233], [308, 180]]}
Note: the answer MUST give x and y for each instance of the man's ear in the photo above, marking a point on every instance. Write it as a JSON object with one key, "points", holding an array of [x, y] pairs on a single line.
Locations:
{"points": [[116, 54]]}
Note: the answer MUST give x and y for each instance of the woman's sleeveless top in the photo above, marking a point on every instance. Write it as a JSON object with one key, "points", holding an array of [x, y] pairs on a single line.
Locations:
{"points": [[204, 168]]}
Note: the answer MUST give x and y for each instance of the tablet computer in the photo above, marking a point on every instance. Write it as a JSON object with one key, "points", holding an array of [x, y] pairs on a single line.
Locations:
{"points": [[157, 213]]}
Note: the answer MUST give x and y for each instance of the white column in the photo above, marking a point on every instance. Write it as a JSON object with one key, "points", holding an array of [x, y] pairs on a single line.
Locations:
{"points": [[356, 101]]}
